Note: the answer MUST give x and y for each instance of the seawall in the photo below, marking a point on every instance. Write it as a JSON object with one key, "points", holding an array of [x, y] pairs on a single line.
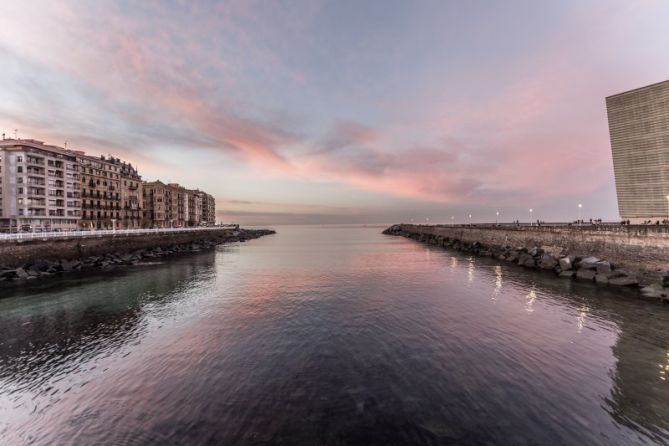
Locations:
{"points": [[638, 247], [607, 254], [20, 252]]}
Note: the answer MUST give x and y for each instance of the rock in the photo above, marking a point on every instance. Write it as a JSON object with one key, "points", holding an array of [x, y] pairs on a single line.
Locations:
{"points": [[568, 274], [589, 263], [566, 263], [586, 274], [655, 277], [21, 273], [604, 267], [601, 279], [655, 291], [624, 281], [535, 252], [8, 273], [547, 262]]}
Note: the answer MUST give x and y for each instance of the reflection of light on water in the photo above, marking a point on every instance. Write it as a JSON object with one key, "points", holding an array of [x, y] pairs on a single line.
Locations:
{"points": [[454, 262], [664, 368], [581, 317], [498, 282], [470, 270], [531, 297]]}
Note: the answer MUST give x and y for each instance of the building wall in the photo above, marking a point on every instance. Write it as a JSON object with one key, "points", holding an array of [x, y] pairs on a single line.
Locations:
{"points": [[101, 193], [39, 185], [132, 197], [639, 130]]}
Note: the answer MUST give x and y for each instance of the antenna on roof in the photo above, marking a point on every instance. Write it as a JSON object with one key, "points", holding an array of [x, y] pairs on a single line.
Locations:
{"points": [[16, 133]]}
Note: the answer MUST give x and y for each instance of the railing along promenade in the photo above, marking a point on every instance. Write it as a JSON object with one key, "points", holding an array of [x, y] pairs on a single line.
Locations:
{"points": [[559, 227], [105, 232]]}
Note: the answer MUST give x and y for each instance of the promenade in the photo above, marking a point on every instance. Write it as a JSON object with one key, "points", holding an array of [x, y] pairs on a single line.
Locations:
{"points": [[18, 236]]}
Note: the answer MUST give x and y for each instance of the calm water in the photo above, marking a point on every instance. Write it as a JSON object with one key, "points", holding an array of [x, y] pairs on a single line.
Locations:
{"points": [[328, 336]]}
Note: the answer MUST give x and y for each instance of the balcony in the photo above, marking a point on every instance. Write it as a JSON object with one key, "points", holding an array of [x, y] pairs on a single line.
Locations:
{"points": [[35, 161]]}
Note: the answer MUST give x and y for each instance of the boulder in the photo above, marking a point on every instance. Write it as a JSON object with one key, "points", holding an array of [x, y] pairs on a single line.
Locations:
{"points": [[535, 252], [655, 277], [547, 262], [624, 281], [656, 291], [568, 274], [566, 263], [601, 279], [21, 273], [586, 274], [589, 263], [604, 267]]}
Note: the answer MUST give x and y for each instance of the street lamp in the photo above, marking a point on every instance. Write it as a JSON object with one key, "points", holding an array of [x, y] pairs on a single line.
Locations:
{"points": [[452, 219], [580, 206], [497, 217], [531, 224], [470, 219]]}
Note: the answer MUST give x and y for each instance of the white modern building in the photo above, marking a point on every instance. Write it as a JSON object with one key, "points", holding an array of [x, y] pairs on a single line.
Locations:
{"points": [[39, 186]]}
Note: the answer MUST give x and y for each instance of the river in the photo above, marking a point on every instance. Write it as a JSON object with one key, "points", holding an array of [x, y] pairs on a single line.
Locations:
{"points": [[330, 335]]}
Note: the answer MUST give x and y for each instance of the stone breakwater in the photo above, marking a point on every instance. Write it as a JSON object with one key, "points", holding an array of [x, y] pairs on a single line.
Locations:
{"points": [[33, 259], [564, 255]]}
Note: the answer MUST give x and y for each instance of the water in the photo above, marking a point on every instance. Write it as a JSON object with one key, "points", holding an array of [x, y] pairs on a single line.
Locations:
{"points": [[328, 336]]}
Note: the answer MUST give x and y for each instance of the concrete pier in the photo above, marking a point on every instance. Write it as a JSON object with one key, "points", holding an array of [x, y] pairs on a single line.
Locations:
{"points": [[637, 247]]}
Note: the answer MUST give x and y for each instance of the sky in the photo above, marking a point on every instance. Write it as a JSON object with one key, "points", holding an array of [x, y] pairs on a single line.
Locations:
{"points": [[320, 112]]}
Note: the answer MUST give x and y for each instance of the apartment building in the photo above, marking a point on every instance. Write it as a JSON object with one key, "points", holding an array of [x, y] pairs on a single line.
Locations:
{"points": [[39, 186], [100, 192], [132, 199], [173, 206], [194, 208], [639, 130], [208, 209]]}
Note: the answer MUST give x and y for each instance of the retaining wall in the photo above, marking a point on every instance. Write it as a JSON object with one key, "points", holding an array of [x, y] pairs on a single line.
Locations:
{"points": [[641, 248], [22, 251]]}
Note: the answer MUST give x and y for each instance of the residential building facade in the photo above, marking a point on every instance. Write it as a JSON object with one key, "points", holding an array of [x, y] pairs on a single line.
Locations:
{"points": [[100, 192], [45, 187], [174, 206], [208, 209], [39, 186], [132, 198], [639, 131]]}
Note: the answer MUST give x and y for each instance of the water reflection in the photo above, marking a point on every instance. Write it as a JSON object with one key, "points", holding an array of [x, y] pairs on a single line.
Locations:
{"points": [[332, 336], [498, 281]]}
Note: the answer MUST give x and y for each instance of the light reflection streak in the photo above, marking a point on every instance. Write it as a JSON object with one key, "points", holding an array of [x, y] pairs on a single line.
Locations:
{"points": [[582, 315], [664, 368], [531, 297], [470, 270], [498, 281]]}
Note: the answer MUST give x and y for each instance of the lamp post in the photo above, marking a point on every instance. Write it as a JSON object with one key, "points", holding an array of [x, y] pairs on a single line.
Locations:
{"points": [[497, 217], [470, 219], [531, 224], [452, 219], [580, 206]]}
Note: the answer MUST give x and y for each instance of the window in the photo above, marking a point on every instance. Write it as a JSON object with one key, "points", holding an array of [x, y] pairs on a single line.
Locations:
{"points": [[19, 159], [19, 169]]}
